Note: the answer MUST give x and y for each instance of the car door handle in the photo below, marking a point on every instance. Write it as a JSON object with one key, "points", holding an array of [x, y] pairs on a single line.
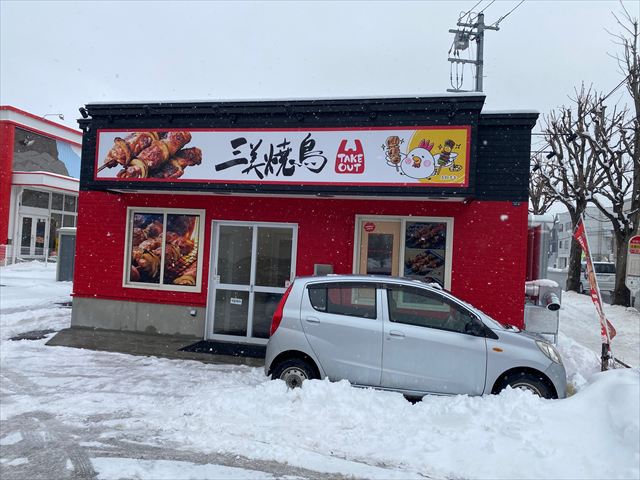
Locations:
{"points": [[312, 319], [396, 333]]}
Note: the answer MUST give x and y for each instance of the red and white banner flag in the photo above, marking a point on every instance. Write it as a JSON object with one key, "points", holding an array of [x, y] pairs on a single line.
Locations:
{"points": [[607, 332]]}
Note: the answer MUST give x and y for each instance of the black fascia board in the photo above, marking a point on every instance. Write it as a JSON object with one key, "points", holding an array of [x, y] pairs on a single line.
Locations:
{"points": [[527, 119], [288, 107], [378, 112], [503, 156]]}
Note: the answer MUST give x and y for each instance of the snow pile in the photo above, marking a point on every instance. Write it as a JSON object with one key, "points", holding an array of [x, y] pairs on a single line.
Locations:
{"points": [[119, 408], [557, 270], [543, 282], [29, 296], [515, 434], [579, 321], [31, 284]]}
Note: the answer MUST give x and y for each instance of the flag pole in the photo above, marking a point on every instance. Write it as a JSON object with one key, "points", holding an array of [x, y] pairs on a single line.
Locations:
{"points": [[606, 354]]}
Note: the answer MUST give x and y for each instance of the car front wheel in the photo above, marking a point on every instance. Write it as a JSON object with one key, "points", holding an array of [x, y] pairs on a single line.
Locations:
{"points": [[529, 382], [294, 371]]}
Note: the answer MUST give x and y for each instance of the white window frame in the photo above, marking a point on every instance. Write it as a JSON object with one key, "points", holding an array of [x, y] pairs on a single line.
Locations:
{"points": [[360, 219], [214, 283], [127, 249]]}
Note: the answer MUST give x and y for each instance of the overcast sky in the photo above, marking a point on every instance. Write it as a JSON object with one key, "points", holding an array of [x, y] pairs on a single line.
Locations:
{"points": [[57, 56]]}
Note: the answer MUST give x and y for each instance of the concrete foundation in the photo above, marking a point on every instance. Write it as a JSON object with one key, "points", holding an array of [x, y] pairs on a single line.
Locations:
{"points": [[150, 318]]}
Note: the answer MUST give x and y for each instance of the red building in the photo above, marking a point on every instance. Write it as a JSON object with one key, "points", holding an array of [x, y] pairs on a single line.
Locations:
{"points": [[195, 217], [39, 170]]}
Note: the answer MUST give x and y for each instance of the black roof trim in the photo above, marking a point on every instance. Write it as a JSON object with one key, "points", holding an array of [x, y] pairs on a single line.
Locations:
{"points": [[509, 118], [444, 103]]}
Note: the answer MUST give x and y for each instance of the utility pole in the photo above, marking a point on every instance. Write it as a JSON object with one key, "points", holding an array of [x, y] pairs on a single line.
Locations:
{"points": [[461, 42]]}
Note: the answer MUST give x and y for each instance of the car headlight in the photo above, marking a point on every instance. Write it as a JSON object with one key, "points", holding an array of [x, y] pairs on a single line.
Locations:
{"points": [[550, 351]]}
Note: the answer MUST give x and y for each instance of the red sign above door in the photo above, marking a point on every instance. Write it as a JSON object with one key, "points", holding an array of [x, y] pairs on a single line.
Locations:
{"points": [[369, 227]]}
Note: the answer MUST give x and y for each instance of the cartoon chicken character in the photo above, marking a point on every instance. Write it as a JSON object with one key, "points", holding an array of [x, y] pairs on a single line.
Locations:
{"points": [[419, 163]]}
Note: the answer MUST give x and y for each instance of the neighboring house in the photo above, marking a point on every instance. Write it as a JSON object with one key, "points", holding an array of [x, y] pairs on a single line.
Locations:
{"points": [[39, 171]]}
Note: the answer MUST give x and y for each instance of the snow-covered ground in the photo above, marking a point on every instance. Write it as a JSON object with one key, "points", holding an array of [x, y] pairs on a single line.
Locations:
{"points": [[72, 413]]}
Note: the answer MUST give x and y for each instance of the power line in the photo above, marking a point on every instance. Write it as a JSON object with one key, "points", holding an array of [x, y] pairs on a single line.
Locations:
{"points": [[492, 2], [469, 11], [475, 17], [507, 14]]}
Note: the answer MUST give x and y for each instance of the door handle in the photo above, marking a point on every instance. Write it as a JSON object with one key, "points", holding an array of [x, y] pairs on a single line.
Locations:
{"points": [[396, 333], [312, 319]]}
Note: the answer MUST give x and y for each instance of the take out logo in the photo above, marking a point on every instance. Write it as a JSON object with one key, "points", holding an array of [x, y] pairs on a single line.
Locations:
{"points": [[350, 160]]}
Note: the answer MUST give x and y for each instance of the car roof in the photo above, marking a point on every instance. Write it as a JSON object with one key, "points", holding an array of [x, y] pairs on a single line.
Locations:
{"points": [[369, 279]]}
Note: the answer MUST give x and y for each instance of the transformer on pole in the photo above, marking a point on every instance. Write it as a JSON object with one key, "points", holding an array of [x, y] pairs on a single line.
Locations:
{"points": [[461, 42]]}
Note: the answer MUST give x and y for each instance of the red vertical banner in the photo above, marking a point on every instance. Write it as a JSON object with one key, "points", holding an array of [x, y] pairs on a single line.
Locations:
{"points": [[607, 332]]}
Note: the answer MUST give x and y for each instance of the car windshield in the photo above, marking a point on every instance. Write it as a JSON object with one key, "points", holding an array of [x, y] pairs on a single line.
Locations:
{"points": [[605, 268], [490, 322]]}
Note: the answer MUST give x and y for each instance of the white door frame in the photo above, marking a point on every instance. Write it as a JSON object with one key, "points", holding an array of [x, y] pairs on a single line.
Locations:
{"points": [[360, 219], [32, 244], [214, 284]]}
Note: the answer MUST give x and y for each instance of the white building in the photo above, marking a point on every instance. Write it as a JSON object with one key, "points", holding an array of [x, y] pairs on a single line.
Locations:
{"points": [[599, 231], [39, 171]]}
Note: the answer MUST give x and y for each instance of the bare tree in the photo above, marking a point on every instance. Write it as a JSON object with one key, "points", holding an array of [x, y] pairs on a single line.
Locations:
{"points": [[615, 142], [571, 174], [541, 198]]}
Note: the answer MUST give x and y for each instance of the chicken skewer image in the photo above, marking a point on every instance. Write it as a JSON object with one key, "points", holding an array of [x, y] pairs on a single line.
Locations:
{"points": [[174, 168], [126, 149], [157, 154], [180, 250]]}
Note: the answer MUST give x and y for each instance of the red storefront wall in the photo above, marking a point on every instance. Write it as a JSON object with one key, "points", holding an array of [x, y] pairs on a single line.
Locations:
{"points": [[489, 242], [6, 172]]}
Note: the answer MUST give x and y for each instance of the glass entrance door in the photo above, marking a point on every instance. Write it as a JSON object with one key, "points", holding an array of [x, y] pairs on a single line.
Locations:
{"points": [[252, 267], [379, 248], [33, 236], [413, 247]]}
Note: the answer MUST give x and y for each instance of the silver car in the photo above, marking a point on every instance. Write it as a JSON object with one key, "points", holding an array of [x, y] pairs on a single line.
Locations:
{"points": [[605, 274], [403, 335]]}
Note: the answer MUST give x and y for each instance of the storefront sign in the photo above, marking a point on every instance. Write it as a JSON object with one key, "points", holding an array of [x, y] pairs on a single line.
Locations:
{"points": [[404, 156]]}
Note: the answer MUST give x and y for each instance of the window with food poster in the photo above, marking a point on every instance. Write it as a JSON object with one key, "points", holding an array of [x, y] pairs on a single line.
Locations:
{"points": [[163, 249], [413, 247], [424, 251]]}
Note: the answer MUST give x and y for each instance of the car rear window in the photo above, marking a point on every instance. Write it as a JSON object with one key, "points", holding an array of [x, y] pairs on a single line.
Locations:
{"points": [[605, 268], [354, 300]]}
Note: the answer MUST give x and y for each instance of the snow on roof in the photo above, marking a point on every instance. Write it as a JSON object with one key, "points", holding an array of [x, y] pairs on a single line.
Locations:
{"points": [[40, 125], [509, 112], [295, 99]]}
